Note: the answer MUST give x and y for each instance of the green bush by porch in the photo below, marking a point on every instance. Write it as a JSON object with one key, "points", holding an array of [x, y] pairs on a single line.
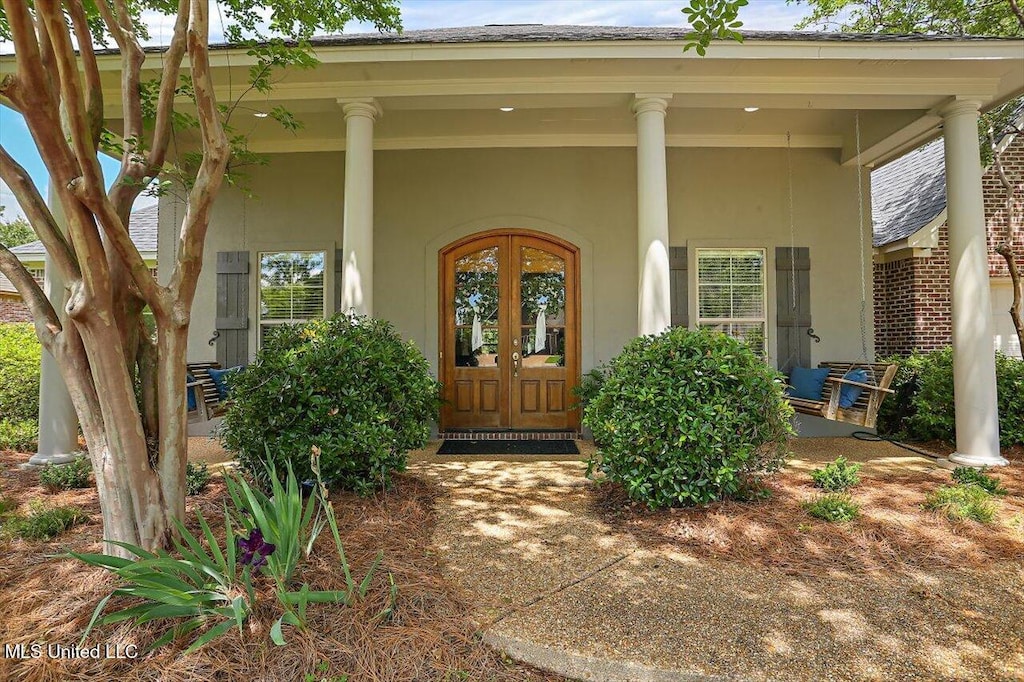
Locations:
{"points": [[688, 417], [19, 386], [349, 386], [922, 408]]}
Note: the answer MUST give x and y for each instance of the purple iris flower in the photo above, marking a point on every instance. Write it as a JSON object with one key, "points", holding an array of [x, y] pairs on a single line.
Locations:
{"points": [[254, 549]]}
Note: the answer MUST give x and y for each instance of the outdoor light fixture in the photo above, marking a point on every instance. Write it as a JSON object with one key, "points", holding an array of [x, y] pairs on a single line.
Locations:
{"points": [[506, 109], [750, 110], [261, 114]]}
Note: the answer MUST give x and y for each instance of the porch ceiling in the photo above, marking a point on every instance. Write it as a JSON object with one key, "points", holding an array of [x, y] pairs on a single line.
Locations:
{"points": [[578, 94]]}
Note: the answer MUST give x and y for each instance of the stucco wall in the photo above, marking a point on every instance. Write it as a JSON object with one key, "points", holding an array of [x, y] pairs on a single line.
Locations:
{"points": [[425, 199], [740, 197]]}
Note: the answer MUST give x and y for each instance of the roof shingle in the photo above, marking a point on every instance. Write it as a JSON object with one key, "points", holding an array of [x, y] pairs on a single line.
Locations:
{"points": [[908, 193], [142, 228]]}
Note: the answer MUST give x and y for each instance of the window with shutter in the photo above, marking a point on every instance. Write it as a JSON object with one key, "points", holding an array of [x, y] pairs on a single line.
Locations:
{"points": [[291, 288], [731, 294]]}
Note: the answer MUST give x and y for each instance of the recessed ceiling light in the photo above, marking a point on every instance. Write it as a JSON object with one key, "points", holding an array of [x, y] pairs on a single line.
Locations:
{"points": [[750, 110], [506, 109], [261, 114]]}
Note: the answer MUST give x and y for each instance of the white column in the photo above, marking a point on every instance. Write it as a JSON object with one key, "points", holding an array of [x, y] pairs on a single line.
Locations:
{"points": [[58, 423], [974, 368], [357, 236], [654, 313]]}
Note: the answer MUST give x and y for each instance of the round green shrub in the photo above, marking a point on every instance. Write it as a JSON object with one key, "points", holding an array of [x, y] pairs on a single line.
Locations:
{"points": [[20, 353], [922, 408], [688, 417], [349, 386]]}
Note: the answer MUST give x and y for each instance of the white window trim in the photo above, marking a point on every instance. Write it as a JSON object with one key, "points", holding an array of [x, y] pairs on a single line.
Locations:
{"points": [[328, 249], [771, 320]]}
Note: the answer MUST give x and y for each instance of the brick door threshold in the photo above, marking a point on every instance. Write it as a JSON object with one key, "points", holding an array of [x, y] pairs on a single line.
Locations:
{"points": [[508, 435]]}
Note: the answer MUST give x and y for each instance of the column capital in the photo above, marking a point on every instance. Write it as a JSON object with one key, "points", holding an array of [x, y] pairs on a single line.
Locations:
{"points": [[960, 106], [645, 102], [361, 106]]}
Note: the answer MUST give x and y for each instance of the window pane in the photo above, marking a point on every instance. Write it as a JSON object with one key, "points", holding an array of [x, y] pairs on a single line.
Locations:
{"points": [[715, 301], [747, 301], [731, 293], [476, 309], [542, 308], [291, 286]]}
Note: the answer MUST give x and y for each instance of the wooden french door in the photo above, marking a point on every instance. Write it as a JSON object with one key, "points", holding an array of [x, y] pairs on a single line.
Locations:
{"points": [[509, 332]]}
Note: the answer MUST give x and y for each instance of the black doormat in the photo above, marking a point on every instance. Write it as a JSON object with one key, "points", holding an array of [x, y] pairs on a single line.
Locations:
{"points": [[508, 447]]}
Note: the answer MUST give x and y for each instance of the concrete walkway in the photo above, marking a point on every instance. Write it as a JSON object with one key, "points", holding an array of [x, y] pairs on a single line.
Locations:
{"points": [[558, 588]]}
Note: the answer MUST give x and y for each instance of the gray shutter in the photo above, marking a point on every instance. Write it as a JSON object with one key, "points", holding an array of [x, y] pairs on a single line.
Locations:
{"points": [[680, 286], [793, 318], [339, 262], [233, 308]]}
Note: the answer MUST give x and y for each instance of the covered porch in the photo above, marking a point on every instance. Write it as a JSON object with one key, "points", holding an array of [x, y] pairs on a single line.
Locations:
{"points": [[653, 166]]}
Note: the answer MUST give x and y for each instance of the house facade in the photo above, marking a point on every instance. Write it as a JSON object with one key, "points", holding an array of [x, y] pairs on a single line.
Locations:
{"points": [[911, 240], [521, 201], [143, 229]]}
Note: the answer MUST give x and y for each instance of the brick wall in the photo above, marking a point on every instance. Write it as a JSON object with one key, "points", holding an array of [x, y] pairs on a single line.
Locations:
{"points": [[13, 310], [912, 295]]}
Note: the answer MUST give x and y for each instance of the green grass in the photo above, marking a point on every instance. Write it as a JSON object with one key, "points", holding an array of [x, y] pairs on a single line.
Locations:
{"points": [[196, 478], [836, 476], [74, 474], [834, 508], [978, 477], [42, 522], [962, 502]]}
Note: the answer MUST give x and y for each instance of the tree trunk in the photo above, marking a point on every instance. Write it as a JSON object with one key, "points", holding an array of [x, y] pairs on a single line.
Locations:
{"points": [[1006, 251]]}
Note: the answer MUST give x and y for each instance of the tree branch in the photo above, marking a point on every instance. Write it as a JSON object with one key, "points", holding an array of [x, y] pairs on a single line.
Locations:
{"points": [[44, 316], [74, 107], [168, 87], [48, 61], [1016, 8], [39, 216], [216, 153], [93, 86], [1005, 248]]}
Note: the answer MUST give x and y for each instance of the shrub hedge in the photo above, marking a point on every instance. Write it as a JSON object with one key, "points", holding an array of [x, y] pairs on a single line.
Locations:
{"points": [[922, 408], [20, 353], [688, 417], [349, 386]]}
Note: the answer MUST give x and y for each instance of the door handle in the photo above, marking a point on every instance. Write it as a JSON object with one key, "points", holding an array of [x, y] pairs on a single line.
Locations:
{"points": [[515, 365]]}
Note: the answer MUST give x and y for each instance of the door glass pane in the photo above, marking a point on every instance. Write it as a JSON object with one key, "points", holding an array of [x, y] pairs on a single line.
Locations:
{"points": [[542, 310], [476, 309]]}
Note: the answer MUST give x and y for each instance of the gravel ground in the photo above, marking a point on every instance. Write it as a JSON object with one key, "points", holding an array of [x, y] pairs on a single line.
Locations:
{"points": [[525, 540]]}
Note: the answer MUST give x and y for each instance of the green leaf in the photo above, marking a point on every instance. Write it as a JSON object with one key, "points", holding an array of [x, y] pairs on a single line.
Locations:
{"points": [[95, 616], [276, 636], [208, 636]]}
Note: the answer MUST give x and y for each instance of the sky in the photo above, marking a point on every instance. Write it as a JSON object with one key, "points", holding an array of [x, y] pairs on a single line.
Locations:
{"points": [[416, 14]]}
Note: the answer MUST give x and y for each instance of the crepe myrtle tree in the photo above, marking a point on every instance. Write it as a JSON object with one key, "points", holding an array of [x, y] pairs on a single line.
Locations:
{"points": [[106, 355], [1003, 18], [719, 20]]}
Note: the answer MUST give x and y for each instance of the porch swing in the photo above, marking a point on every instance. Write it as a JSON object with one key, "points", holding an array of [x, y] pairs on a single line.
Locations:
{"points": [[852, 392]]}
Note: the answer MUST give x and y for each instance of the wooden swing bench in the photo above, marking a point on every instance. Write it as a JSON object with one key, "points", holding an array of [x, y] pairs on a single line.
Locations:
{"points": [[209, 407], [864, 411]]}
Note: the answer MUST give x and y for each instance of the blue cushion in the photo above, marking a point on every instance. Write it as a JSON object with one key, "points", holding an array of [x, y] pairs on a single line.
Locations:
{"points": [[849, 394], [189, 392], [807, 383], [219, 376]]}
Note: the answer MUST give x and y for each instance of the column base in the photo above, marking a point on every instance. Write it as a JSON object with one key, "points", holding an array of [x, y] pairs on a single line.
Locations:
{"points": [[39, 459], [977, 461]]}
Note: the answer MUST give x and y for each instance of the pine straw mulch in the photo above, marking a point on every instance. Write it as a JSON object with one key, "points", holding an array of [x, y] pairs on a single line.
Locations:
{"points": [[431, 636], [894, 534]]}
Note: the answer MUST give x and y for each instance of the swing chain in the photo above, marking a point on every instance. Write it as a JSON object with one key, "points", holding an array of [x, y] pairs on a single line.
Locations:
{"points": [[861, 246]]}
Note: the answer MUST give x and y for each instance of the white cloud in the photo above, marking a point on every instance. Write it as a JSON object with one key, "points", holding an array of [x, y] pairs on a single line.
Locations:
{"points": [[418, 14], [764, 15]]}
